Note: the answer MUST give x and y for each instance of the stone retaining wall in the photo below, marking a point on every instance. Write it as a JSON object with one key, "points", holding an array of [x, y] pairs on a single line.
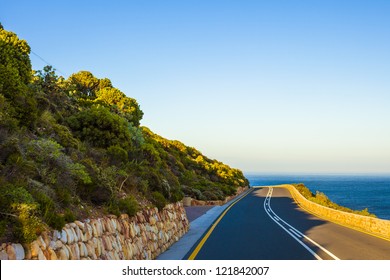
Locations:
{"points": [[367, 224], [144, 236]]}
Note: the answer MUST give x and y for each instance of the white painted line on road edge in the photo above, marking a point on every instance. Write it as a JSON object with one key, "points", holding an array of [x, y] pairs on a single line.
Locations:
{"points": [[298, 235], [297, 232]]}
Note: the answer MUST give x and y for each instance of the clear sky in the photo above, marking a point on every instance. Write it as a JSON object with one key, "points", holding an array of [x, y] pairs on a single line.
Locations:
{"points": [[264, 86]]}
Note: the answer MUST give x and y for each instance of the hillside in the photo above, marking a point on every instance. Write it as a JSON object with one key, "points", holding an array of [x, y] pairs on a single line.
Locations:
{"points": [[74, 148]]}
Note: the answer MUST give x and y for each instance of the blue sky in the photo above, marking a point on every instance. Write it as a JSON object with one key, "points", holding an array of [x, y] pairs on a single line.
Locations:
{"points": [[264, 86]]}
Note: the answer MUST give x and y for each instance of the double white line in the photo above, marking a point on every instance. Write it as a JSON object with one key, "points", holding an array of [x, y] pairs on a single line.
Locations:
{"points": [[293, 232]]}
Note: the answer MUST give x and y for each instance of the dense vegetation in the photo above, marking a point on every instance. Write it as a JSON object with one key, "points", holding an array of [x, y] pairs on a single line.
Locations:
{"points": [[73, 148], [321, 199]]}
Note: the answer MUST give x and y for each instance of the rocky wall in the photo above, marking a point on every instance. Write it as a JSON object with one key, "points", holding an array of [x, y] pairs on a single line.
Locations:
{"points": [[143, 236], [374, 226]]}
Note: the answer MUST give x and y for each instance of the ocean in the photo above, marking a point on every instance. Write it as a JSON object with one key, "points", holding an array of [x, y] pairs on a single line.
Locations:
{"points": [[353, 191]]}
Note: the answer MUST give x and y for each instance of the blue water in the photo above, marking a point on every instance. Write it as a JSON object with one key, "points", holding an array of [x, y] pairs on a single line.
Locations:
{"points": [[353, 191]]}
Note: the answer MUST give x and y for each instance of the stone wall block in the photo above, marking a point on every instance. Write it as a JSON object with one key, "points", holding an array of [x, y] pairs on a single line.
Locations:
{"points": [[10, 250], [63, 237], [62, 254], [69, 236], [132, 230], [51, 254], [75, 236], [125, 229], [137, 229], [88, 232], [128, 251], [80, 225], [19, 251], [34, 249], [90, 248], [79, 233]]}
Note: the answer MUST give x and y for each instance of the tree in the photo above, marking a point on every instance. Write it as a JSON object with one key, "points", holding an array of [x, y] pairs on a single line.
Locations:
{"points": [[47, 79], [15, 73], [121, 104], [85, 84]]}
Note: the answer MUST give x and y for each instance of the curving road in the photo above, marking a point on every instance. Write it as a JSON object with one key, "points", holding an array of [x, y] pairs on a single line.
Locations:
{"points": [[267, 224]]}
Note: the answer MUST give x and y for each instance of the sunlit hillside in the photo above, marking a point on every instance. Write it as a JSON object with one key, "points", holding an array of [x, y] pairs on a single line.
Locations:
{"points": [[72, 148]]}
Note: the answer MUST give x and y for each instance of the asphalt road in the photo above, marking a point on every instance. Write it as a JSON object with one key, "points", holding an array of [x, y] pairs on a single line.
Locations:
{"points": [[268, 225]]}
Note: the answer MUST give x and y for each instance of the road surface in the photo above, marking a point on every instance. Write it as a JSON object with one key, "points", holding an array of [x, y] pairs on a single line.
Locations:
{"points": [[267, 224]]}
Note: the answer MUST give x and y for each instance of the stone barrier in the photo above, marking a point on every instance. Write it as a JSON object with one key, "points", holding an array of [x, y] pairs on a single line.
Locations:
{"points": [[370, 225], [141, 237]]}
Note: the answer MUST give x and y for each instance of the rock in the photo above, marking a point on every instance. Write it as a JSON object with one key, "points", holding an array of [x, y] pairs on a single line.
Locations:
{"points": [[70, 235], [70, 253], [90, 248], [64, 238], [107, 226], [81, 225], [47, 237], [51, 254], [124, 217], [83, 249], [59, 244], [132, 230], [56, 235], [3, 255], [63, 254], [74, 248], [11, 252], [89, 232], [78, 233], [41, 255], [106, 243], [19, 251], [35, 249], [41, 243], [98, 247], [127, 252], [52, 245]]}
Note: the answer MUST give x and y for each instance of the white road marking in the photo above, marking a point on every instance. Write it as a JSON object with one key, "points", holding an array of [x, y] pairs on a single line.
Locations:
{"points": [[296, 232]]}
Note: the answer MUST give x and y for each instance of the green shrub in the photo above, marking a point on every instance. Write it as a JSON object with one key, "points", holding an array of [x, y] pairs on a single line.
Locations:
{"points": [[28, 225], [158, 200], [64, 196], [69, 216], [113, 208], [128, 205], [117, 155], [57, 221], [176, 196], [101, 128]]}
